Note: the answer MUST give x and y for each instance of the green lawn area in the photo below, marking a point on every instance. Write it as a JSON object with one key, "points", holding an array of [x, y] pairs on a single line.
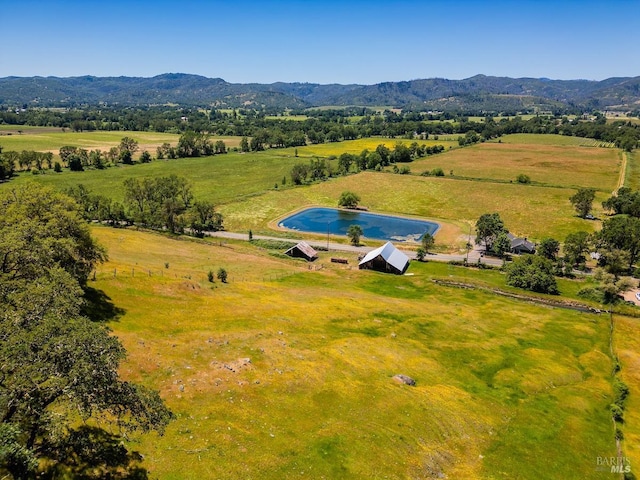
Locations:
{"points": [[505, 389]]}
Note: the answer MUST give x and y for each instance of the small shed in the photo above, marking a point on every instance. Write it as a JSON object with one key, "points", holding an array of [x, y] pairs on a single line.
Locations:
{"points": [[386, 258], [302, 250]]}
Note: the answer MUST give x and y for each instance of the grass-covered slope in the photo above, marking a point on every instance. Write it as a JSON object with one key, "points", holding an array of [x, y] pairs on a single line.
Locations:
{"points": [[286, 372]]}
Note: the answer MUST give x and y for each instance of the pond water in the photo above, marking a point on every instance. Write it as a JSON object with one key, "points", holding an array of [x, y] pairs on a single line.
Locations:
{"points": [[380, 227]]}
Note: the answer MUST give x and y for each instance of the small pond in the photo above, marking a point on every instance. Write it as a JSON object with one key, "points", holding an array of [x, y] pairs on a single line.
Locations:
{"points": [[337, 222]]}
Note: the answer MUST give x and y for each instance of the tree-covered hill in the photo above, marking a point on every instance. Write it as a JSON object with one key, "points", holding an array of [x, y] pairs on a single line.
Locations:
{"points": [[476, 93]]}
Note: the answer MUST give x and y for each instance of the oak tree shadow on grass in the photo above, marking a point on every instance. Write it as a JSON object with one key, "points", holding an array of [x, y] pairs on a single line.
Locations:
{"points": [[93, 453], [98, 306]]}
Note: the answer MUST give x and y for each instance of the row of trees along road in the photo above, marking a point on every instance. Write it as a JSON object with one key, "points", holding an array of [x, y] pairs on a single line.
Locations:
{"points": [[59, 383], [160, 203]]}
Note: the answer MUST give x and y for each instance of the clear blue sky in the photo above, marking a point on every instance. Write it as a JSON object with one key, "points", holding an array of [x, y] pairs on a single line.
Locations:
{"points": [[330, 41]]}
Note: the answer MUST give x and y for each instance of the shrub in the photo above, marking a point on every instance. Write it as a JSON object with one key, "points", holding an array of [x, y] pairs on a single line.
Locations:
{"points": [[617, 413], [348, 199], [534, 273], [522, 178], [210, 276], [222, 275]]}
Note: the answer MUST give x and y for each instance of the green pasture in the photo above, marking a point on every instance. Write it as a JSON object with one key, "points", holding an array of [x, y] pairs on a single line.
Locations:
{"points": [[221, 178], [286, 372], [531, 211], [243, 185], [632, 177]]}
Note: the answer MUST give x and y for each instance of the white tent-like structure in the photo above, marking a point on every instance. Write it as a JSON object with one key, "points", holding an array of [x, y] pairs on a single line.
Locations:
{"points": [[387, 258]]}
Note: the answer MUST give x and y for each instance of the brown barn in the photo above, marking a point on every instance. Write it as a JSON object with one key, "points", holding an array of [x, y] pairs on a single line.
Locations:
{"points": [[302, 250]]}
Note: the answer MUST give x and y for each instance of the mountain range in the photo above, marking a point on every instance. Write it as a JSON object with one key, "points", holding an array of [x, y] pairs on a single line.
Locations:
{"points": [[478, 93]]}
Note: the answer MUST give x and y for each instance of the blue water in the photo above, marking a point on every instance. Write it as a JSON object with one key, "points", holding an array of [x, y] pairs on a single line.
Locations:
{"points": [[380, 227]]}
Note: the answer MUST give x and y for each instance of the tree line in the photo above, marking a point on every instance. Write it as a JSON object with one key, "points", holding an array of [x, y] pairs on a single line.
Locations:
{"points": [[164, 203], [322, 126], [190, 144], [382, 156]]}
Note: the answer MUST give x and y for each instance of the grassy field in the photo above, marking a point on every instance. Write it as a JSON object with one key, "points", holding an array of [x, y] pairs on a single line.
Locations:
{"points": [[221, 178], [443, 199], [566, 166], [265, 387], [357, 146], [286, 371], [45, 139], [627, 343], [549, 139], [632, 177], [243, 185]]}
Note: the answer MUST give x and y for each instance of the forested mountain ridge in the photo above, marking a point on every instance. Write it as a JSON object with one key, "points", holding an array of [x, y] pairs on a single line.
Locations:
{"points": [[476, 93]]}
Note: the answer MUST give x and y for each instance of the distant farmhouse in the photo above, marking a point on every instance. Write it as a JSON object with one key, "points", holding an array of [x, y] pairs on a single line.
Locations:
{"points": [[387, 259], [521, 245], [302, 250]]}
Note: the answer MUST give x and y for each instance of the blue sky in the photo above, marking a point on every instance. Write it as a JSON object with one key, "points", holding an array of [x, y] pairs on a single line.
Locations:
{"points": [[327, 41]]}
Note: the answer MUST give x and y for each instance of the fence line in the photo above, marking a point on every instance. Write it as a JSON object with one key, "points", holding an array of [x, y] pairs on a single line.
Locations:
{"points": [[111, 274]]}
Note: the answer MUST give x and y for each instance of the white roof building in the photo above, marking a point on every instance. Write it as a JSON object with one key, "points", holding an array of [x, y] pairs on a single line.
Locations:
{"points": [[386, 258]]}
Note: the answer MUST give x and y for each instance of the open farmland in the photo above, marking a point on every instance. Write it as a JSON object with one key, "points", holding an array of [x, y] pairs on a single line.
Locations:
{"points": [[565, 166], [265, 387], [459, 202], [243, 185], [286, 371], [47, 139]]}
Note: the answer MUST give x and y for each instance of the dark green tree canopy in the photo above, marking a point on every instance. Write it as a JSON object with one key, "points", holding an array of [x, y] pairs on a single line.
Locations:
{"points": [[488, 227], [57, 368], [549, 248], [582, 201], [625, 201], [532, 272], [354, 233], [619, 234], [348, 199]]}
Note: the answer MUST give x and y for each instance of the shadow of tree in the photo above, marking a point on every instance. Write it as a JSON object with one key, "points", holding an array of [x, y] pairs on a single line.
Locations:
{"points": [[98, 307], [92, 453]]}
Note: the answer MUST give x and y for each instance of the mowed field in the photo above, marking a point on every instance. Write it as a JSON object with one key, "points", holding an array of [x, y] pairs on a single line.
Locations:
{"points": [[286, 372]]}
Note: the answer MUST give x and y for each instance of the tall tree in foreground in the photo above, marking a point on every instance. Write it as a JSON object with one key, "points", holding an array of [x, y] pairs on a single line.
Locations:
{"points": [[59, 383]]}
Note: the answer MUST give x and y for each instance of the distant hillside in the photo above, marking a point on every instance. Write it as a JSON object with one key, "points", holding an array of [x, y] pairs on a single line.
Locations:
{"points": [[476, 93]]}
